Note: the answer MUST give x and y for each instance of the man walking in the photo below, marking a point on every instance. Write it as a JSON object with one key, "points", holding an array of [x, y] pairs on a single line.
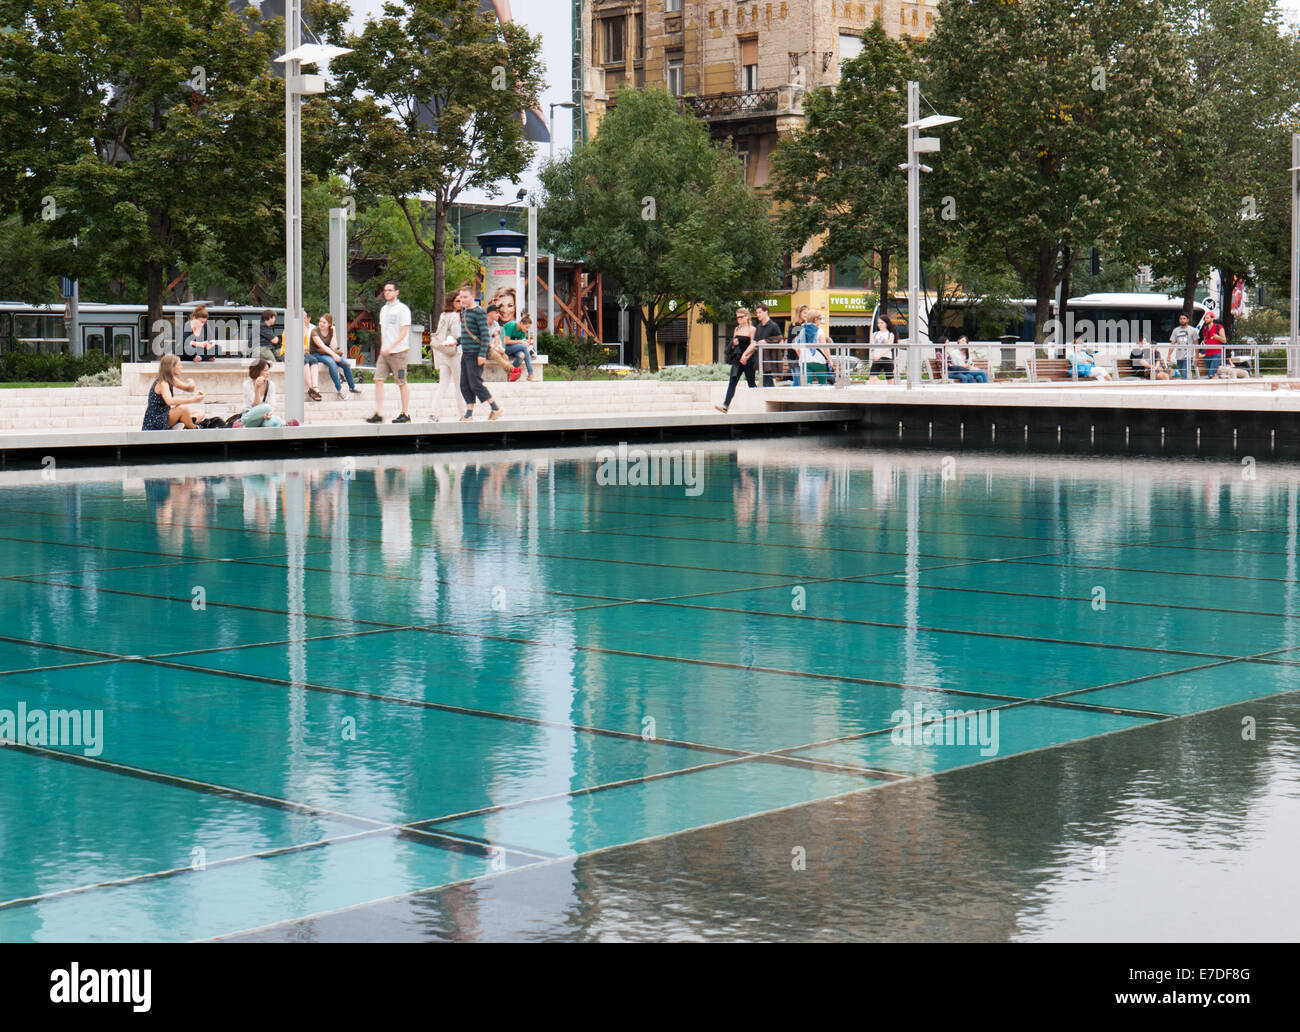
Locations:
{"points": [[474, 344], [394, 326], [767, 332], [1183, 340], [1213, 338]]}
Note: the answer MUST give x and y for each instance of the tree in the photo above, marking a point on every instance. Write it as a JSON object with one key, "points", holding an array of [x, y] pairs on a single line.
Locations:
{"points": [[147, 129], [383, 232], [1221, 163], [429, 105], [1059, 100], [653, 202], [837, 180]]}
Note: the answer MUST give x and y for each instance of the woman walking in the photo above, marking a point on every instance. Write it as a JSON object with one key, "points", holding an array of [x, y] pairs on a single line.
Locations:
{"points": [[884, 341], [740, 353], [163, 409], [447, 354]]}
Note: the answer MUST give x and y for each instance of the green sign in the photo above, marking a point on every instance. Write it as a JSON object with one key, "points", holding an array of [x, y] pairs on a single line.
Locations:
{"points": [[778, 304], [853, 304]]}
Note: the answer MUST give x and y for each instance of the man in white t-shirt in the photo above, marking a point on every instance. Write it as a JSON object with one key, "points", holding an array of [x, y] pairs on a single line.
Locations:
{"points": [[394, 326]]}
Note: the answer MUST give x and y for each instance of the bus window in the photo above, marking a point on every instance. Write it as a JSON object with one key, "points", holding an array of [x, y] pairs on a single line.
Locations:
{"points": [[122, 345], [93, 338]]}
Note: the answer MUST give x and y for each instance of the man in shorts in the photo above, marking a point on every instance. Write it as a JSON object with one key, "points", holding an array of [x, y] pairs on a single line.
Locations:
{"points": [[394, 327]]}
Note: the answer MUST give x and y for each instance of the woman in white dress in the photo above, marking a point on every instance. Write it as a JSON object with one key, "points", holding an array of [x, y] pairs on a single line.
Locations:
{"points": [[446, 355]]}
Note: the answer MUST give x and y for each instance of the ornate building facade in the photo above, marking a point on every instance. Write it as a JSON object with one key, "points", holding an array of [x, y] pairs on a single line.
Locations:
{"points": [[743, 68]]}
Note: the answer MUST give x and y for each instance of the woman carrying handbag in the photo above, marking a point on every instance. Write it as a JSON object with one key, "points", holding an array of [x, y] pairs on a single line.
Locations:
{"points": [[446, 354]]}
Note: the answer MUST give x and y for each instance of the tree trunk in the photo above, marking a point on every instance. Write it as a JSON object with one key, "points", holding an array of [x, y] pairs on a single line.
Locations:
{"points": [[439, 260], [1189, 283], [1044, 289], [1227, 287], [1063, 311], [884, 281], [154, 346], [651, 342]]}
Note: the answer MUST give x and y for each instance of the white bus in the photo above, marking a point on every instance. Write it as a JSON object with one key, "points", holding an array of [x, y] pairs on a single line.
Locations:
{"points": [[121, 330], [1110, 323]]}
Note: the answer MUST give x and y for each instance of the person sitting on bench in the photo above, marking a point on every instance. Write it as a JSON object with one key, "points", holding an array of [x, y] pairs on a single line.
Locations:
{"points": [[959, 364], [1083, 364]]}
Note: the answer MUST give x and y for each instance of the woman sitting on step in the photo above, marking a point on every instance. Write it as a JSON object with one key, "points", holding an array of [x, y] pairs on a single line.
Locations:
{"points": [[164, 409]]}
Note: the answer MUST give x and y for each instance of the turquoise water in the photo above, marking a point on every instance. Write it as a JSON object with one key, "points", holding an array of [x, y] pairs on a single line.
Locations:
{"points": [[323, 683]]}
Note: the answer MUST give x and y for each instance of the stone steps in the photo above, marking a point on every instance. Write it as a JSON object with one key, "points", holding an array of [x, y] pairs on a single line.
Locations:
{"points": [[114, 407]]}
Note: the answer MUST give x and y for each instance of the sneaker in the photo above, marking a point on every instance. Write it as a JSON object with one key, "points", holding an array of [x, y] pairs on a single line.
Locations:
{"points": [[721, 408], [354, 390], [496, 414], [433, 418], [376, 418], [402, 417], [467, 419], [293, 422], [515, 373], [237, 424], [342, 396]]}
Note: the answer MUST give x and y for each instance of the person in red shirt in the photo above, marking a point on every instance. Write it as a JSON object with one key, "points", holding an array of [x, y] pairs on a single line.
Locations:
{"points": [[1213, 338]]}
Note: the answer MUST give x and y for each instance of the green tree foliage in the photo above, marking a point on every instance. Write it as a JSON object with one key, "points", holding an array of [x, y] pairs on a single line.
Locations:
{"points": [[429, 105], [1224, 186], [653, 202], [837, 180], [1059, 100], [150, 129]]}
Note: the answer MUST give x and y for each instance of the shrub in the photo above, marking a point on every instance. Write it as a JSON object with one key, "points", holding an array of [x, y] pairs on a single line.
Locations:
{"points": [[103, 378], [26, 367], [718, 371], [1260, 327], [561, 349]]}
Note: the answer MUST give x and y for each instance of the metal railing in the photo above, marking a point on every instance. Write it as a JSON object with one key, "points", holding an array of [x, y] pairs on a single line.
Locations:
{"points": [[847, 362], [723, 105]]}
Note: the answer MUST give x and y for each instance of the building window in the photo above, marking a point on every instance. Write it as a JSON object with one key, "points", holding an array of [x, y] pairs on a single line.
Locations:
{"points": [[749, 64], [673, 5], [676, 75], [615, 38], [742, 152], [640, 36], [850, 46]]}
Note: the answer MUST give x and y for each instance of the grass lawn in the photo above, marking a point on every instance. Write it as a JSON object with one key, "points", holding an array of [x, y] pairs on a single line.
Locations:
{"points": [[59, 384]]}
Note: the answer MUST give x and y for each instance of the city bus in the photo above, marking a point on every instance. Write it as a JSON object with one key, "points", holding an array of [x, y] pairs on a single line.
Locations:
{"points": [[1110, 323], [118, 330]]}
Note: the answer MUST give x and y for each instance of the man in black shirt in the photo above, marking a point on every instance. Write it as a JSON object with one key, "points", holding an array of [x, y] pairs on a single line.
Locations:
{"points": [[767, 332], [270, 340]]}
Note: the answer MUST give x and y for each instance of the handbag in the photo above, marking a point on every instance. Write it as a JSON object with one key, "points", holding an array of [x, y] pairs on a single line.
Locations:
{"points": [[448, 347]]}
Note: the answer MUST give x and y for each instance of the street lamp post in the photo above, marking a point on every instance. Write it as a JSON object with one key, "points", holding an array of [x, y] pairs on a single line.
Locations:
{"points": [[916, 146], [296, 86], [1291, 357], [550, 258]]}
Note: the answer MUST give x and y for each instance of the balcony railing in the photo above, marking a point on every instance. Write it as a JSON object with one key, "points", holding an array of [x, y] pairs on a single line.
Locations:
{"points": [[732, 105]]}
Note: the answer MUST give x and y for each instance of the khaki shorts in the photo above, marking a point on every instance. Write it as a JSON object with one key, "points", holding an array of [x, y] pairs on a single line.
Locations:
{"points": [[393, 363]]}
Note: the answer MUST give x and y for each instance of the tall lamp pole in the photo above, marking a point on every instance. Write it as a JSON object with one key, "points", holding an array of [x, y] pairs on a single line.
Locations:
{"points": [[916, 146], [1291, 357], [296, 86], [550, 258]]}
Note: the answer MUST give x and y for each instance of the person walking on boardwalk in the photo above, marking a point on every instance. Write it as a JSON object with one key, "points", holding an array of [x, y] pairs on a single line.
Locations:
{"points": [[394, 326], [474, 344], [740, 353], [1183, 350], [446, 353], [766, 331]]}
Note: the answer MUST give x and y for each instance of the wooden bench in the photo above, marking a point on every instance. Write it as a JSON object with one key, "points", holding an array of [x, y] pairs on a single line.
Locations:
{"points": [[936, 367]]}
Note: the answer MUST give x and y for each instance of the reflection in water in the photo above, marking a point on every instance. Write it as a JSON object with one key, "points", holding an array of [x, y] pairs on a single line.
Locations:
{"points": [[516, 587]]}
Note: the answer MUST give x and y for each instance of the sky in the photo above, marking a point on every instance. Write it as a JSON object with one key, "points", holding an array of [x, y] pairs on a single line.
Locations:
{"points": [[551, 19]]}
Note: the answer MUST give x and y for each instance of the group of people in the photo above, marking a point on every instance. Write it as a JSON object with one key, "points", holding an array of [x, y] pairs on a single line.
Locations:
{"points": [[467, 337]]}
